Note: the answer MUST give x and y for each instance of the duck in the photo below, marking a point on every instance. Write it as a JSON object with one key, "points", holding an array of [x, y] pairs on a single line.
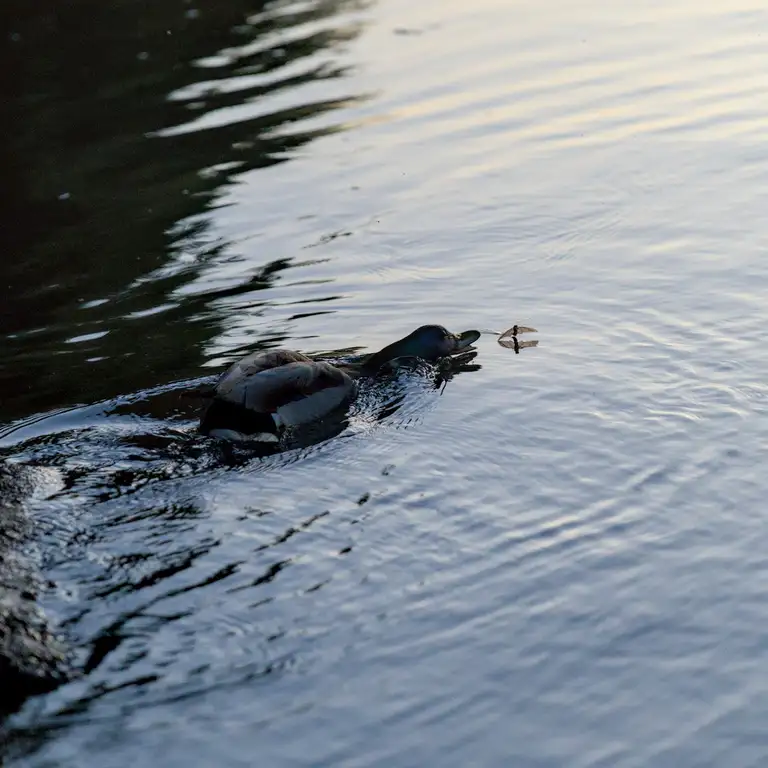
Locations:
{"points": [[267, 392]]}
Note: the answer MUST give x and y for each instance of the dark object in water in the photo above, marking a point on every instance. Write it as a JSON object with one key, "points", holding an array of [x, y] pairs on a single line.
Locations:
{"points": [[266, 392], [32, 658]]}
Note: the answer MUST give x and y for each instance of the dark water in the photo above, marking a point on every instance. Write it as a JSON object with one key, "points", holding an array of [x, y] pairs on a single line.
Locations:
{"points": [[557, 559]]}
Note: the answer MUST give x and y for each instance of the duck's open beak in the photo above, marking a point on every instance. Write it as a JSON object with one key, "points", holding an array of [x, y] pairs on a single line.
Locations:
{"points": [[464, 341]]}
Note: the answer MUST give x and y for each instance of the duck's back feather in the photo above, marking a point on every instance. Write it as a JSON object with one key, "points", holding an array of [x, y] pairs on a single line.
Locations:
{"points": [[288, 385], [230, 385]]}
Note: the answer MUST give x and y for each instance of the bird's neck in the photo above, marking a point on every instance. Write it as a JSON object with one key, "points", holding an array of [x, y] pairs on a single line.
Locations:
{"points": [[373, 364]]}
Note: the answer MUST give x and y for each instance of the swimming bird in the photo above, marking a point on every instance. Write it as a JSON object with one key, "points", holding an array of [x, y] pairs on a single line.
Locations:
{"points": [[265, 392]]}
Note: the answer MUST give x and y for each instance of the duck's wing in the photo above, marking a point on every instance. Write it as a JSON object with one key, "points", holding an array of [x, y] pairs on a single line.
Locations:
{"points": [[309, 392], [259, 361], [239, 374], [295, 391]]}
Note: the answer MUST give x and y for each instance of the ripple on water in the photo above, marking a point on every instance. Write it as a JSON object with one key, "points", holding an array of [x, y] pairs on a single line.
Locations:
{"points": [[554, 559]]}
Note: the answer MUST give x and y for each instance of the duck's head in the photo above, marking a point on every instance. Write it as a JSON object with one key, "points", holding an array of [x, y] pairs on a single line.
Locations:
{"points": [[429, 342]]}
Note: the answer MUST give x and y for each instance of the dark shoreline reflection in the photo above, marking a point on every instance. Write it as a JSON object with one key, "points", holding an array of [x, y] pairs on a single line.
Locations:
{"points": [[104, 189], [107, 183]]}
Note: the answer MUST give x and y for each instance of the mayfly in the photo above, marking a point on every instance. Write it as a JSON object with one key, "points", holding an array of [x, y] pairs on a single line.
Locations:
{"points": [[509, 340]]}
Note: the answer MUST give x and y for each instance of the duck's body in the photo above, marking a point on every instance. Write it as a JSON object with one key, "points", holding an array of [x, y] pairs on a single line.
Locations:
{"points": [[265, 392]]}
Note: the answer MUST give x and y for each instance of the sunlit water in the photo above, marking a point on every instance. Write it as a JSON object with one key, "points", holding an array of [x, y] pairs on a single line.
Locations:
{"points": [[558, 559]]}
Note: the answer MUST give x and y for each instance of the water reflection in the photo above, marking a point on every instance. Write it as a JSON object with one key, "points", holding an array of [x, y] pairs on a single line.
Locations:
{"points": [[135, 130]]}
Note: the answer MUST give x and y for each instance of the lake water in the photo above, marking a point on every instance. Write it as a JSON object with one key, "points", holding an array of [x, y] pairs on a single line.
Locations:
{"points": [[557, 559]]}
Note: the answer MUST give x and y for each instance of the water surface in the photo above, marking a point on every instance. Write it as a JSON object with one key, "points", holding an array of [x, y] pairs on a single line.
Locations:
{"points": [[556, 559]]}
